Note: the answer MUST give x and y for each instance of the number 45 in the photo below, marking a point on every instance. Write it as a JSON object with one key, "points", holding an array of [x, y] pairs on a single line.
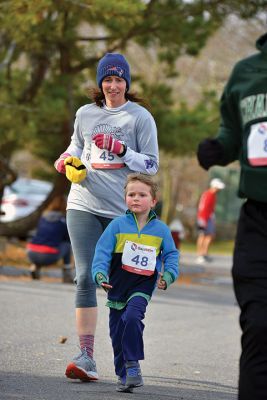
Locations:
{"points": [[107, 156]]}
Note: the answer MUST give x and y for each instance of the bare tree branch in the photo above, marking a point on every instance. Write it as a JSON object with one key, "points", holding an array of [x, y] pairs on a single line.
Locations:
{"points": [[8, 57], [94, 38], [38, 74]]}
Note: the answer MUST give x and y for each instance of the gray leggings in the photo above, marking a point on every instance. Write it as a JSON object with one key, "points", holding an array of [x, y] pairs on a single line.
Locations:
{"points": [[84, 230]]}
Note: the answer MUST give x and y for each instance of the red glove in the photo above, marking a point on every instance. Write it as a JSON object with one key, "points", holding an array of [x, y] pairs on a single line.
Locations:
{"points": [[59, 163], [105, 141]]}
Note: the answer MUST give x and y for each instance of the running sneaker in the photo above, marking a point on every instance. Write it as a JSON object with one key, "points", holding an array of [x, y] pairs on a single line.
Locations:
{"points": [[133, 374], [82, 367], [200, 260], [121, 387]]}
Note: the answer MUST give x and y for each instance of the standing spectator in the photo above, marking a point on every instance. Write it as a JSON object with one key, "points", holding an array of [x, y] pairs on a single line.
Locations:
{"points": [[243, 136], [206, 219], [51, 241], [112, 137]]}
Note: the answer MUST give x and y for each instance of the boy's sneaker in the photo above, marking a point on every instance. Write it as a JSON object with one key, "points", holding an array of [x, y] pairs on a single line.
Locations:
{"points": [[133, 374], [82, 367], [121, 387]]}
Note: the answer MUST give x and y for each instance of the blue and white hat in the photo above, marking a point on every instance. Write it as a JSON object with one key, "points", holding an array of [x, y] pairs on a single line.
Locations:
{"points": [[113, 64]]}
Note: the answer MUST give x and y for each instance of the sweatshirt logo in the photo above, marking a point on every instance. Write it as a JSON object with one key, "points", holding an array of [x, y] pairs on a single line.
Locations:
{"points": [[253, 107], [114, 131], [149, 164]]}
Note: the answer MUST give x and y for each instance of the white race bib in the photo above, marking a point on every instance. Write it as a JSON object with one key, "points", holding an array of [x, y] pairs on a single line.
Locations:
{"points": [[257, 144], [139, 258], [104, 159]]}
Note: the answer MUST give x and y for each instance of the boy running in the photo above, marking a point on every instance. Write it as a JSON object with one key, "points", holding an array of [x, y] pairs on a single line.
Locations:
{"points": [[127, 264]]}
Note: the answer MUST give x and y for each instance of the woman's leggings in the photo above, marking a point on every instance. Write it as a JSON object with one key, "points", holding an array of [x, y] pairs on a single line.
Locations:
{"points": [[84, 230]]}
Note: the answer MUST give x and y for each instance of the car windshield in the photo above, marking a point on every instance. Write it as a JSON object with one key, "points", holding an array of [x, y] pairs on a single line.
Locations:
{"points": [[25, 186]]}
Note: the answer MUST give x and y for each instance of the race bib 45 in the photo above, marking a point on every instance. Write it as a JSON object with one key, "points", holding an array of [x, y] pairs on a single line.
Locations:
{"points": [[104, 159]]}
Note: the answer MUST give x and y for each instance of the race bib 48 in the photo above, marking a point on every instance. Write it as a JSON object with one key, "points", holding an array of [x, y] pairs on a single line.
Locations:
{"points": [[139, 258]]}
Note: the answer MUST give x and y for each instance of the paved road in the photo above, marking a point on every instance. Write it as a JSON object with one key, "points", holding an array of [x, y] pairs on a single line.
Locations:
{"points": [[218, 271], [191, 343]]}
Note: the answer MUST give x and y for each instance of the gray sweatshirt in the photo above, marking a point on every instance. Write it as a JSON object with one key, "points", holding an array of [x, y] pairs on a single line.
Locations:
{"points": [[102, 191]]}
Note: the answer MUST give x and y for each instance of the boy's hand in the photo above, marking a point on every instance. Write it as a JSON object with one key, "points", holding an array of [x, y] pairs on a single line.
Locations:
{"points": [[106, 286], [102, 281], [161, 283]]}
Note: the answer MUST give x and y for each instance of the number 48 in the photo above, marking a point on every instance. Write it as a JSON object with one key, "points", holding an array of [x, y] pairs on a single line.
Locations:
{"points": [[137, 260]]}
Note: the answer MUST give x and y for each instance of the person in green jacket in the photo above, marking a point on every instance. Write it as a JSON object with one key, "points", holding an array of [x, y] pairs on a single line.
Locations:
{"points": [[243, 136]]}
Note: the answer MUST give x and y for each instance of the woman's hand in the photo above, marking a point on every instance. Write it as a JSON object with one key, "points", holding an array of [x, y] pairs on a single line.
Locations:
{"points": [[105, 141], [75, 170], [59, 163]]}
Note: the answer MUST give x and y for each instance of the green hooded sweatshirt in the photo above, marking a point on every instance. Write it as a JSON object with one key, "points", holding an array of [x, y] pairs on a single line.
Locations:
{"points": [[243, 128]]}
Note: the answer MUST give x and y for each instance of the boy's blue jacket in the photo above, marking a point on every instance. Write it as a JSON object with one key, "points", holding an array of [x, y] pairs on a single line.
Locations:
{"points": [[109, 249]]}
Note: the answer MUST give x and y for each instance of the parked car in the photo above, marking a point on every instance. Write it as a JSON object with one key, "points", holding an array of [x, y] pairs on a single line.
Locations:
{"points": [[23, 197]]}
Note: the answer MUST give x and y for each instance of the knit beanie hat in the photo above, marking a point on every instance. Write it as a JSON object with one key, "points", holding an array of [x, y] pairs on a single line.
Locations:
{"points": [[113, 64]]}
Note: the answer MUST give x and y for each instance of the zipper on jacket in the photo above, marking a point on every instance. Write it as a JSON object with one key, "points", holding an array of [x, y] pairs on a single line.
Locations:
{"points": [[138, 229]]}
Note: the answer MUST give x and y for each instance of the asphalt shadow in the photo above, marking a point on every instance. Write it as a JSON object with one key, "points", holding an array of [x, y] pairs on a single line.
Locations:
{"points": [[33, 387]]}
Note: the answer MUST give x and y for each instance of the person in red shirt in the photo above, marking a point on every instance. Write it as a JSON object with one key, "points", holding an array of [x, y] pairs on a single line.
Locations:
{"points": [[206, 219]]}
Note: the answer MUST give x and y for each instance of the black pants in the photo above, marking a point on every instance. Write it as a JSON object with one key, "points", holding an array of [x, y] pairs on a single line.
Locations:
{"points": [[250, 285]]}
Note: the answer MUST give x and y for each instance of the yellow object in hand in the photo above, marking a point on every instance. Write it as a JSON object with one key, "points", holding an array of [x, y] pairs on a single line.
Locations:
{"points": [[75, 170]]}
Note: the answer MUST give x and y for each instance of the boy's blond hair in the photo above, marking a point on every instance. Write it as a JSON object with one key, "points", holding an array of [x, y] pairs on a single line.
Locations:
{"points": [[146, 179]]}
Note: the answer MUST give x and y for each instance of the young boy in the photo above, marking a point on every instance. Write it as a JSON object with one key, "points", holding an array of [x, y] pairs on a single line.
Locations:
{"points": [[127, 264]]}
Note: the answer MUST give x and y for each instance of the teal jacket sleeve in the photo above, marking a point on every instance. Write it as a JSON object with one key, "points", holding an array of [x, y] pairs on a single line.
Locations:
{"points": [[104, 251]]}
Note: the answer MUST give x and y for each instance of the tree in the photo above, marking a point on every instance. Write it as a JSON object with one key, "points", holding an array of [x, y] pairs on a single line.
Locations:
{"points": [[49, 48]]}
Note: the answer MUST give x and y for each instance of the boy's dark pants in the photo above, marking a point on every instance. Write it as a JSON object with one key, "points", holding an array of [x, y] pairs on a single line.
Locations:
{"points": [[126, 333], [250, 285]]}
